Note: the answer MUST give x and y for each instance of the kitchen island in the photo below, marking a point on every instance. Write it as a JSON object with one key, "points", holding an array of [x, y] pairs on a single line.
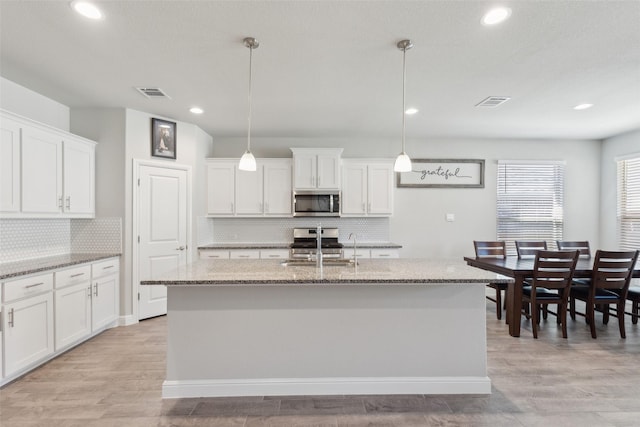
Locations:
{"points": [[402, 326]]}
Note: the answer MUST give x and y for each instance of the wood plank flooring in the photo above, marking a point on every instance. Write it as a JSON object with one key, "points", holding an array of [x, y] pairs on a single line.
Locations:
{"points": [[115, 379]]}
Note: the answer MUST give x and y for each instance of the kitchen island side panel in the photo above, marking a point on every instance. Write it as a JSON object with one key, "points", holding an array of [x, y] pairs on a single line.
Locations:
{"points": [[323, 340]]}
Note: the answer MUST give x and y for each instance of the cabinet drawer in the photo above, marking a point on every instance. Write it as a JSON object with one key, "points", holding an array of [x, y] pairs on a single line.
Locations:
{"points": [[29, 286], [103, 268], [214, 254], [385, 253], [361, 253], [72, 276], [245, 254], [274, 254]]}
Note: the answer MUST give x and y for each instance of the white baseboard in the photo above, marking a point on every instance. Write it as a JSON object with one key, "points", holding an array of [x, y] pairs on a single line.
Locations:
{"points": [[325, 386], [127, 320]]}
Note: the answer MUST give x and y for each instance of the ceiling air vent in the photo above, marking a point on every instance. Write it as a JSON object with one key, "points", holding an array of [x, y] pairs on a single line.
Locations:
{"points": [[152, 92], [493, 101]]}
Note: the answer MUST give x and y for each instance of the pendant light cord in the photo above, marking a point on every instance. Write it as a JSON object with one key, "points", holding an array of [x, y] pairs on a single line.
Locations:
{"points": [[249, 127], [404, 80]]}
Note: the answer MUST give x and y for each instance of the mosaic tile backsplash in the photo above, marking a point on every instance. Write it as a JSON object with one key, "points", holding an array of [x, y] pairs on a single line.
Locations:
{"points": [[276, 230], [22, 239]]}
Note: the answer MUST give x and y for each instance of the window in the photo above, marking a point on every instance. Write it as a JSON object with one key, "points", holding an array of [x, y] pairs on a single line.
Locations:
{"points": [[629, 203], [530, 201]]}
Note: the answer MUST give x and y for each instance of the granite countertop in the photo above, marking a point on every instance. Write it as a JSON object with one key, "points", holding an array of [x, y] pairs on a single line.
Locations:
{"points": [[348, 245], [369, 271], [35, 265]]}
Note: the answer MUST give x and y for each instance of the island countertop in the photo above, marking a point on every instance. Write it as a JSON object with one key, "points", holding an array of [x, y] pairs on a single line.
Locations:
{"points": [[403, 271]]}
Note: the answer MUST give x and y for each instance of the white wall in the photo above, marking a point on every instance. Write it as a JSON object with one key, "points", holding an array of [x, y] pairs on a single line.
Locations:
{"points": [[419, 221], [613, 148], [25, 102]]}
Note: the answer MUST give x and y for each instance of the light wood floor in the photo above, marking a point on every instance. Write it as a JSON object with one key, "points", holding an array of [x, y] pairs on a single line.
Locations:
{"points": [[115, 380]]}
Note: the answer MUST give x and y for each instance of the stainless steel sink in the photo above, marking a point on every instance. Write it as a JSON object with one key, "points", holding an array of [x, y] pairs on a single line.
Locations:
{"points": [[327, 262]]}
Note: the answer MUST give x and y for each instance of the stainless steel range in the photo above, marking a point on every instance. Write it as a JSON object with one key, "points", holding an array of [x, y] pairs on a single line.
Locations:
{"points": [[305, 243]]}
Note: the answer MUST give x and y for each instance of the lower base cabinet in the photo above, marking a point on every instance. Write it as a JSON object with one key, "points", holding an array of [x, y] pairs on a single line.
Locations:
{"points": [[40, 321], [27, 327]]}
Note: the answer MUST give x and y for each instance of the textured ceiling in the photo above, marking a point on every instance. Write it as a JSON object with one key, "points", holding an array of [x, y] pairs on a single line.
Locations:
{"points": [[331, 68]]}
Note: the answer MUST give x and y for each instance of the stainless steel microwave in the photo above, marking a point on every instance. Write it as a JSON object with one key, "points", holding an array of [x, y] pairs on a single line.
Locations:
{"points": [[316, 203]]}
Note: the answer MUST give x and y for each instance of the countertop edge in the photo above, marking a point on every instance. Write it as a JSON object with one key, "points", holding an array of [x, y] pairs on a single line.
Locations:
{"points": [[317, 282], [52, 263], [347, 245]]}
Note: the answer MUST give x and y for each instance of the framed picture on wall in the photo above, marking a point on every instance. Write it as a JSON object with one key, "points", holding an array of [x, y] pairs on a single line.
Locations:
{"points": [[163, 138], [443, 173]]}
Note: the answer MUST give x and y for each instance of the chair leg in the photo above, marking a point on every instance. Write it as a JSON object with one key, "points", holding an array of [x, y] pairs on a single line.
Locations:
{"points": [[562, 316], [634, 312], [591, 318], [535, 318], [545, 312], [572, 308], [621, 318], [605, 313], [499, 304]]}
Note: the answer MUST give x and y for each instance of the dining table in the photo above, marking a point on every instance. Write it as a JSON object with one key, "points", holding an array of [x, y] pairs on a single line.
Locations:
{"points": [[519, 269]]}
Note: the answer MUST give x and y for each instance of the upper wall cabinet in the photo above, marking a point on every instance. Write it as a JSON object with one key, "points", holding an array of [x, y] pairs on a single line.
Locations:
{"points": [[316, 168], [265, 192], [46, 173], [367, 187]]}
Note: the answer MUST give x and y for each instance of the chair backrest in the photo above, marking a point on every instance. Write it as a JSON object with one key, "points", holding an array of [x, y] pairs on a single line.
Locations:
{"points": [[490, 249], [581, 246], [554, 269], [613, 270], [529, 248]]}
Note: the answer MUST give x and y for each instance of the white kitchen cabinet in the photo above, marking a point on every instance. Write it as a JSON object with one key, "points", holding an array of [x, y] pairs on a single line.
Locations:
{"points": [[27, 322], [366, 253], [9, 165], [277, 186], [274, 253], [316, 168], [221, 184], [248, 192], [236, 193], [46, 172], [367, 188], [105, 280], [244, 254], [214, 254], [72, 298]]}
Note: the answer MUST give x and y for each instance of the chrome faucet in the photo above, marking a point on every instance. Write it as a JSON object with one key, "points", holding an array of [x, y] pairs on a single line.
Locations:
{"points": [[319, 246]]}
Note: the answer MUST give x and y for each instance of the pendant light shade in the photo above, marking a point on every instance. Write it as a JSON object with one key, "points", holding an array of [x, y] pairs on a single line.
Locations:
{"points": [[403, 162], [247, 161]]}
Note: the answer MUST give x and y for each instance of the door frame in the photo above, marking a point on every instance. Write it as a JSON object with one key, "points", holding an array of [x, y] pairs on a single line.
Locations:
{"points": [[135, 250]]}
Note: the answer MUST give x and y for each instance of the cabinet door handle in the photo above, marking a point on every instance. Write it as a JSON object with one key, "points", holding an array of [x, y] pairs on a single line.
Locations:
{"points": [[34, 285], [11, 322], [89, 291], [107, 267], [180, 248], [60, 202], [382, 255], [77, 275], [96, 289], [68, 202], [243, 256], [274, 256]]}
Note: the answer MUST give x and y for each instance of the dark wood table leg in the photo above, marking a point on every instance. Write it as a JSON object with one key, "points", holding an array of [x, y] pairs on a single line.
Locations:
{"points": [[514, 300]]}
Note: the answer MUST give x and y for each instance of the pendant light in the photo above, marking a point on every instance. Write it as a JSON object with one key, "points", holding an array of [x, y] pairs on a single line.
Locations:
{"points": [[247, 161], [403, 162]]}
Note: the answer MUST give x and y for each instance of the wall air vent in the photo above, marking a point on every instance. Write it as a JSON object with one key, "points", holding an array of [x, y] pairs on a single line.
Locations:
{"points": [[152, 92], [493, 101]]}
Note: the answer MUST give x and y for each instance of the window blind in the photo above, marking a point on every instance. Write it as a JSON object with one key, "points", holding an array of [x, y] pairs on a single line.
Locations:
{"points": [[530, 201], [629, 204]]}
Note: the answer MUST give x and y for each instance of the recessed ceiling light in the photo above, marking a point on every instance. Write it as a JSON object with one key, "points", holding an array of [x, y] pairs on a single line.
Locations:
{"points": [[86, 9], [496, 16], [411, 111], [196, 110], [582, 106]]}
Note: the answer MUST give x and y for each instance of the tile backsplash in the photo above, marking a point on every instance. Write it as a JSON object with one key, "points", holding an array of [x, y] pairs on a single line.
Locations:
{"points": [[276, 230], [22, 239]]}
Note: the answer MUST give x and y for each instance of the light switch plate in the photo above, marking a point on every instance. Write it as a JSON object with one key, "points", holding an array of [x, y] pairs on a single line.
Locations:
{"points": [[451, 217]]}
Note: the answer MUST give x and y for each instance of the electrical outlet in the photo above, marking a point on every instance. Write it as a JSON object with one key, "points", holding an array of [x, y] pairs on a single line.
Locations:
{"points": [[450, 217]]}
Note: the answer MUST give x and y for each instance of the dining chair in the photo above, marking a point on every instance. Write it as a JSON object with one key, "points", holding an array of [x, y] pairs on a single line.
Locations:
{"points": [[580, 245], [633, 295], [493, 249], [610, 278], [529, 248], [550, 284]]}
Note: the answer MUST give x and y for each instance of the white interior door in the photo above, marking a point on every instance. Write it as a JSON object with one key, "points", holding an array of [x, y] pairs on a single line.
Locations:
{"points": [[162, 226]]}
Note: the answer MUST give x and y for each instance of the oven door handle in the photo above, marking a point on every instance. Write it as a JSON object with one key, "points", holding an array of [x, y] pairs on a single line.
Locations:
{"points": [[331, 203]]}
